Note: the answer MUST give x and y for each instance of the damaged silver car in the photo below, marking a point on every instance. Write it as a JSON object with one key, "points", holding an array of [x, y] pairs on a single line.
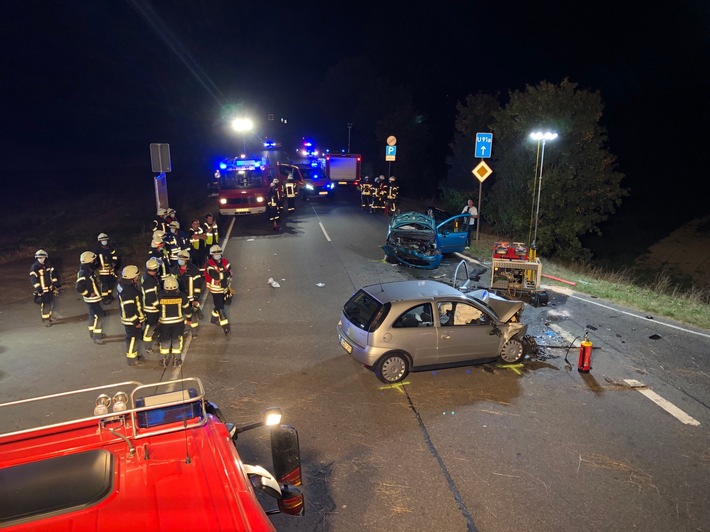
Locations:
{"points": [[398, 327]]}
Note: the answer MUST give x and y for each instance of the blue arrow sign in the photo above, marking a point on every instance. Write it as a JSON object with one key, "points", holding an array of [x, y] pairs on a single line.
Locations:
{"points": [[484, 141]]}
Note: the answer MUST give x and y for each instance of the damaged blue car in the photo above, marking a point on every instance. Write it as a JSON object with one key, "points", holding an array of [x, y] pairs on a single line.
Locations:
{"points": [[416, 240]]}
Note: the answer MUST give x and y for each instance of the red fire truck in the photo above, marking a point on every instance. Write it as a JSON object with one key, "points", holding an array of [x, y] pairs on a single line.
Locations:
{"points": [[343, 169], [243, 184], [156, 457]]}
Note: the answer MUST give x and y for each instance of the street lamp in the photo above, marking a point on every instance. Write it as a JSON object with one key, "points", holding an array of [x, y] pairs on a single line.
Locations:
{"points": [[350, 126], [544, 137], [242, 125]]}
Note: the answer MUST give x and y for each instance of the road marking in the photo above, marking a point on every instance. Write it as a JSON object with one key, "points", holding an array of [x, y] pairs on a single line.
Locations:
{"points": [[324, 232], [397, 386], [664, 404], [570, 293], [514, 367]]}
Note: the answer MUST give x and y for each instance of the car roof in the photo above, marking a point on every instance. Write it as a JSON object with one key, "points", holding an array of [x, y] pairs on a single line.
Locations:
{"points": [[408, 290]]}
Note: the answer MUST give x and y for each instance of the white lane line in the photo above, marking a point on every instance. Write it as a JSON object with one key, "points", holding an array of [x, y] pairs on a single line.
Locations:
{"points": [[669, 407], [324, 232], [569, 293], [186, 345]]}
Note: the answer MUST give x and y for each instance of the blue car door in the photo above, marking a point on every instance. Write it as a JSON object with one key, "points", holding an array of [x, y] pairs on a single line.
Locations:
{"points": [[451, 234]]}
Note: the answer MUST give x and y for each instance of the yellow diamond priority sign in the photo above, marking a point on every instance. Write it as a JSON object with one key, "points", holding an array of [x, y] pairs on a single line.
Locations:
{"points": [[482, 171]]}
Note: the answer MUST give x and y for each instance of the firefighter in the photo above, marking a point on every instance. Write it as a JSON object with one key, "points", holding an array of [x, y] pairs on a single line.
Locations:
{"points": [[272, 205], [378, 194], [109, 262], [211, 231], [159, 222], [365, 193], [392, 193], [46, 285], [176, 241], [150, 286], [130, 301], [89, 286], [290, 190], [197, 244], [158, 252], [191, 283], [218, 276], [175, 310]]}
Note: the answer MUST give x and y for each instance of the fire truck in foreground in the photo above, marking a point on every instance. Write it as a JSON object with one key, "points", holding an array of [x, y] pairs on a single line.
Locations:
{"points": [[242, 185], [153, 457]]}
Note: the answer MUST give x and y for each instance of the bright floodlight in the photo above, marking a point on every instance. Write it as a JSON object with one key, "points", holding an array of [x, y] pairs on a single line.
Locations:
{"points": [[539, 135], [272, 416], [242, 124]]}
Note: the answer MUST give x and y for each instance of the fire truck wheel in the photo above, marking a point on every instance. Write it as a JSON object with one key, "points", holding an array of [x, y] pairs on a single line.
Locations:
{"points": [[512, 351]]}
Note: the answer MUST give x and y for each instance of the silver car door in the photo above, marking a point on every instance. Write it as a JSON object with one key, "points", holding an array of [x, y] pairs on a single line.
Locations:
{"points": [[465, 333]]}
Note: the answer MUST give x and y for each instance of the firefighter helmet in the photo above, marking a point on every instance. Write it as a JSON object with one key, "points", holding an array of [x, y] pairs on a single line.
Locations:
{"points": [[152, 264], [382, 178], [366, 179], [171, 212], [158, 234], [184, 254], [130, 272], [41, 253], [215, 250], [170, 283], [102, 236], [162, 212], [157, 242], [174, 224], [87, 257], [392, 179], [274, 182]]}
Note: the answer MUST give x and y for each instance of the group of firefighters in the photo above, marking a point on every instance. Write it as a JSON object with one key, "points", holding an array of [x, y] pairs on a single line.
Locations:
{"points": [[163, 303], [380, 195], [277, 196]]}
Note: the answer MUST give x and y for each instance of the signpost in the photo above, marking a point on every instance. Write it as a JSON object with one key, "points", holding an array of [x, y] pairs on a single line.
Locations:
{"points": [[160, 164], [484, 145], [390, 153]]}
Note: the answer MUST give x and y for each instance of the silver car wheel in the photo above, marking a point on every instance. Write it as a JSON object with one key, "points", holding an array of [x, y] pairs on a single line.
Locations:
{"points": [[512, 351], [392, 368]]}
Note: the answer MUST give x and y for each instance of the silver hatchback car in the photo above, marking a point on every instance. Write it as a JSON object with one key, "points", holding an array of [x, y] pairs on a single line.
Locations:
{"points": [[394, 328]]}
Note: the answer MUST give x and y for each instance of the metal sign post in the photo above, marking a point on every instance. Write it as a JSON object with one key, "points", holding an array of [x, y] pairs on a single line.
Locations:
{"points": [[481, 172], [160, 164]]}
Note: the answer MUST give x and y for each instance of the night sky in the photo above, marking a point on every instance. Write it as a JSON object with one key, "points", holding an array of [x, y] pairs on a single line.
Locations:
{"points": [[86, 86]]}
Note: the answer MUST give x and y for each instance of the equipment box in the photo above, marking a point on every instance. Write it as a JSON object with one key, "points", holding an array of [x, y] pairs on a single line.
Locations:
{"points": [[514, 275]]}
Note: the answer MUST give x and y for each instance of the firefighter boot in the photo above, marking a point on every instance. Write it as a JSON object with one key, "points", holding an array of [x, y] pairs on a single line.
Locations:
{"points": [[97, 339], [164, 361], [177, 361], [227, 330]]}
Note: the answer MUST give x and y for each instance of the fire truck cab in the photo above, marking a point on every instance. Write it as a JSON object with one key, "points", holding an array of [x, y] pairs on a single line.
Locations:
{"points": [[243, 184], [143, 457]]}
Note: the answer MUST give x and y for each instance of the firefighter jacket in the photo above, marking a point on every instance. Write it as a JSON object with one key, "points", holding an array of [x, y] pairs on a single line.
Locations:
{"points": [[87, 284], [175, 243], [107, 259], [381, 190], [290, 188], [272, 197], [43, 278], [130, 301], [196, 242], [218, 275], [190, 280], [366, 189], [392, 192], [174, 307], [150, 285], [211, 234]]}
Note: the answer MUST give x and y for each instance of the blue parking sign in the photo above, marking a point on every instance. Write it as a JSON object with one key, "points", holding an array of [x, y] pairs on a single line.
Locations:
{"points": [[484, 141], [390, 153]]}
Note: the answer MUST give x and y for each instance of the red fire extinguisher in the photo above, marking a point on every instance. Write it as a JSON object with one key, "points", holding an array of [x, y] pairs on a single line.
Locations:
{"points": [[585, 355]]}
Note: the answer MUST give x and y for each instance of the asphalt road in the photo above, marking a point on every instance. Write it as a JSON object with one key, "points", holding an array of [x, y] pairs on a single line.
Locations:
{"points": [[531, 447]]}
